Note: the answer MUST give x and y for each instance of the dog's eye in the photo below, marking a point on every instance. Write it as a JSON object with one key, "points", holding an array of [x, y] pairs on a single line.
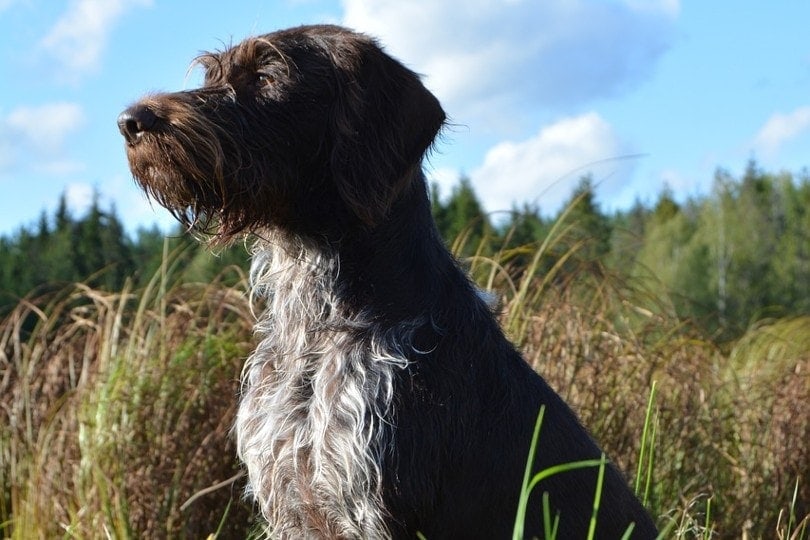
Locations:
{"points": [[264, 79]]}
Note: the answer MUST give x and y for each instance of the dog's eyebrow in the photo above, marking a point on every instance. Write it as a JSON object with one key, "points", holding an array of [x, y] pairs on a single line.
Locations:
{"points": [[271, 52]]}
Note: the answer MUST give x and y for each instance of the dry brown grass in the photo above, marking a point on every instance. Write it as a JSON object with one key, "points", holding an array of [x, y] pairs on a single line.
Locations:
{"points": [[732, 425], [737, 438], [115, 408]]}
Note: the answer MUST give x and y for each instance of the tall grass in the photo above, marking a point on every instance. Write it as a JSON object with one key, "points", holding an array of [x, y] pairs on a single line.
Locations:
{"points": [[115, 408], [720, 447]]}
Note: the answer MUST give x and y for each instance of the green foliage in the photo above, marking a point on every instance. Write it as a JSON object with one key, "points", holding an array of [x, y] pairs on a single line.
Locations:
{"points": [[592, 228], [115, 406], [96, 250], [727, 260], [461, 218], [738, 256], [724, 261]]}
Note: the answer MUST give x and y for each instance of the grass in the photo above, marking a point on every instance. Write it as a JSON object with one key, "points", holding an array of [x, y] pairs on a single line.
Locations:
{"points": [[115, 408], [530, 482]]}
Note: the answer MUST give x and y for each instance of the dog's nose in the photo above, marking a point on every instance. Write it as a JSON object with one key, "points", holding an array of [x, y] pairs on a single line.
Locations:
{"points": [[135, 121]]}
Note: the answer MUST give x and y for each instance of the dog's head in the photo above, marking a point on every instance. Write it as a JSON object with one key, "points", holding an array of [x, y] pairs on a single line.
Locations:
{"points": [[304, 128]]}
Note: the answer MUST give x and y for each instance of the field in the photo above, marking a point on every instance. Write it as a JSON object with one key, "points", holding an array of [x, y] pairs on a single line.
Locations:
{"points": [[115, 407]]}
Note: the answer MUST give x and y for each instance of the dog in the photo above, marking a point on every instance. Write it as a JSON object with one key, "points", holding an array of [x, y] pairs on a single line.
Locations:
{"points": [[382, 400]]}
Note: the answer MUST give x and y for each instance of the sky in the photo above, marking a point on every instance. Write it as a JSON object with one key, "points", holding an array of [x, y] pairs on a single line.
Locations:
{"points": [[640, 94]]}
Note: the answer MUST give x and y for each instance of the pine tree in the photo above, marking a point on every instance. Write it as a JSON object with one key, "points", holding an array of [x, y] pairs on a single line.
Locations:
{"points": [[87, 231], [525, 226], [627, 238], [462, 221], [590, 227]]}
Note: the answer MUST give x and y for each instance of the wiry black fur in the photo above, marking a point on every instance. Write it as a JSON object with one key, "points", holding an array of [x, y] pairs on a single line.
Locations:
{"points": [[317, 134]]}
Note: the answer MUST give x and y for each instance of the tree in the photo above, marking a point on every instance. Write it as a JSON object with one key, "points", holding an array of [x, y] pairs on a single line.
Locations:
{"points": [[590, 228], [461, 220], [116, 249], [628, 230], [666, 208], [525, 226]]}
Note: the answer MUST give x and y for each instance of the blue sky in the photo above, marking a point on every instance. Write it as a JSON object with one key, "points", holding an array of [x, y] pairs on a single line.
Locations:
{"points": [[539, 92]]}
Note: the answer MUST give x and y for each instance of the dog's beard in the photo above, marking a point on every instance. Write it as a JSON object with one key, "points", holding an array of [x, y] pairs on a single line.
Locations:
{"points": [[188, 199]]}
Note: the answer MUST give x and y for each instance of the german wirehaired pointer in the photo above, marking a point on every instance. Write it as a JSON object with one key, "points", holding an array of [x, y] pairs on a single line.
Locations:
{"points": [[383, 400]]}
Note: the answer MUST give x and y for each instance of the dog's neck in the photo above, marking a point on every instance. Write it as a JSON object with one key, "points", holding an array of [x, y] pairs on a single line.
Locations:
{"points": [[395, 269], [392, 271]]}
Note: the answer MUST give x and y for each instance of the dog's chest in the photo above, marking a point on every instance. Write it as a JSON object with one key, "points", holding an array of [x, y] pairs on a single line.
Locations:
{"points": [[316, 393]]}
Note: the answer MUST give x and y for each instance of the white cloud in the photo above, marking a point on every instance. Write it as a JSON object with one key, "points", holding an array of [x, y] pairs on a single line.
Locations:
{"points": [[781, 128], [502, 68], [131, 205], [44, 127], [78, 38], [34, 137], [546, 167], [60, 167], [492, 53]]}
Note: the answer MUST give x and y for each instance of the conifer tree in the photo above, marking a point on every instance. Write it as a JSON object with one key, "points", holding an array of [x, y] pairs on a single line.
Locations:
{"points": [[589, 225]]}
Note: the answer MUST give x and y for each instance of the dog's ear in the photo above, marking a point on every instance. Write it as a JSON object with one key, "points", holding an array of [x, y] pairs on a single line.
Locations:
{"points": [[383, 122]]}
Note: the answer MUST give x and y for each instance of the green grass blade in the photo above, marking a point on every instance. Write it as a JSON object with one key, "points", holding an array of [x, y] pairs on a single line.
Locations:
{"points": [[520, 517], [597, 497], [644, 441]]}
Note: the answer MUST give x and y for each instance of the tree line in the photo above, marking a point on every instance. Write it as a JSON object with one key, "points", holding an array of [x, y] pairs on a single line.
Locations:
{"points": [[96, 249], [726, 260]]}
